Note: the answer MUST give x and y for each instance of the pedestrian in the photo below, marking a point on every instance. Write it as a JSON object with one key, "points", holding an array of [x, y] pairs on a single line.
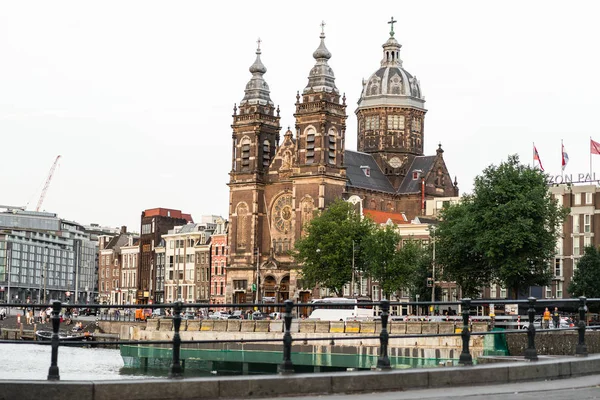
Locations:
{"points": [[556, 318], [546, 319]]}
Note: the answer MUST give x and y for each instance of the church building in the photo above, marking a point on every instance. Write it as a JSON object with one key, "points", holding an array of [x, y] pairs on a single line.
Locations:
{"points": [[277, 184]]}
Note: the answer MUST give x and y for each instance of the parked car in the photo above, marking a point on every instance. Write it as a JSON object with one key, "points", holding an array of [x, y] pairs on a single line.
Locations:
{"points": [[219, 315], [257, 315], [275, 315], [537, 323], [188, 315], [88, 311], [158, 312], [142, 313]]}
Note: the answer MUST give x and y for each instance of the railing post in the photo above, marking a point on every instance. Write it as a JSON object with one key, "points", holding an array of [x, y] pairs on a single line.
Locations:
{"points": [[530, 351], [176, 370], [383, 362], [465, 356], [53, 374], [581, 349], [286, 365]]}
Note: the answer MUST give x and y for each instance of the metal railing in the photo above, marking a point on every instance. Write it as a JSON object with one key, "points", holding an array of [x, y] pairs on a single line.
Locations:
{"points": [[286, 366]]}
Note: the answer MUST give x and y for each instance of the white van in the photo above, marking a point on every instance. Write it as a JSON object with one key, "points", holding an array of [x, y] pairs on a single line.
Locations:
{"points": [[325, 310]]}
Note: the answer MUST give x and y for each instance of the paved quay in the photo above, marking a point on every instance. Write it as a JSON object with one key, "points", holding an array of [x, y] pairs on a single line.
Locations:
{"points": [[586, 387], [536, 378]]}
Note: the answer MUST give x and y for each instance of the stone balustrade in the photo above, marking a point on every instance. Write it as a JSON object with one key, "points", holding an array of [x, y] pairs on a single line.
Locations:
{"points": [[298, 326]]}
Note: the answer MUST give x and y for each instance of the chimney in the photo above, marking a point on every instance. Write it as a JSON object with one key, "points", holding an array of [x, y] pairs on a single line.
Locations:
{"points": [[123, 229]]}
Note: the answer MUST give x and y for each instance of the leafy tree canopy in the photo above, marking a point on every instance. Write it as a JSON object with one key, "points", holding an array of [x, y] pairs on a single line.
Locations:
{"points": [[587, 275], [382, 259], [505, 232], [416, 261], [326, 250]]}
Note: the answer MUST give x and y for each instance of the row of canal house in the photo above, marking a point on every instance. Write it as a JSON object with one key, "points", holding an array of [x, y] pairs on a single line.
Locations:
{"points": [[173, 259], [189, 262]]}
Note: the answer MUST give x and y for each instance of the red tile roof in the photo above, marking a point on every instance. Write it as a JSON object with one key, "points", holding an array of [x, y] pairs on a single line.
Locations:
{"points": [[382, 217]]}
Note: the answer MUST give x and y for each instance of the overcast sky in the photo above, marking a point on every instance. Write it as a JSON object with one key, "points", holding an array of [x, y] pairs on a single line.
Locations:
{"points": [[137, 96]]}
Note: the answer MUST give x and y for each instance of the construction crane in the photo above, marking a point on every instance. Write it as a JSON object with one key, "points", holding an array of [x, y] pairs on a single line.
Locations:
{"points": [[41, 200]]}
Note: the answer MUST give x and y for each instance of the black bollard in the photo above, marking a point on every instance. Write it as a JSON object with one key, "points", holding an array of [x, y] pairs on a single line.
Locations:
{"points": [[530, 351], [176, 370], [465, 357], [53, 374], [383, 362], [581, 349], [286, 366]]}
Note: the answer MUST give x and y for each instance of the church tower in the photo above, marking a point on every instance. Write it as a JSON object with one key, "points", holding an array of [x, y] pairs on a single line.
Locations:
{"points": [[320, 133], [391, 112], [254, 142]]}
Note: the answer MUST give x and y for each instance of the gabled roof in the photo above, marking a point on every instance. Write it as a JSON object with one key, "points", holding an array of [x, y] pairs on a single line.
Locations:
{"points": [[353, 161], [421, 163], [382, 217], [117, 242]]}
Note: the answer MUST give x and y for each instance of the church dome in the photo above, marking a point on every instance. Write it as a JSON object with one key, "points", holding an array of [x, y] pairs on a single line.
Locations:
{"points": [[391, 84]]}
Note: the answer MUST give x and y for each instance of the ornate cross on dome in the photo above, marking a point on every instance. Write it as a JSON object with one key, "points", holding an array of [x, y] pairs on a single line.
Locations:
{"points": [[322, 27], [258, 42], [392, 22]]}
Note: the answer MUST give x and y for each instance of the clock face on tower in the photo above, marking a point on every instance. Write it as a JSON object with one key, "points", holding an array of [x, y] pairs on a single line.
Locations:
{"points": [[282, 213]]}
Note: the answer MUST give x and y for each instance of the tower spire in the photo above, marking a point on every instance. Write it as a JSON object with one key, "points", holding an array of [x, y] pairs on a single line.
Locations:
{"points": [[321, 78], [257, 90], [391, 49]]}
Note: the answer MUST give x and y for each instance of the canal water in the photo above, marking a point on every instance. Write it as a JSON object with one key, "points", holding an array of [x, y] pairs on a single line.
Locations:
{"points": [[32, 361]]}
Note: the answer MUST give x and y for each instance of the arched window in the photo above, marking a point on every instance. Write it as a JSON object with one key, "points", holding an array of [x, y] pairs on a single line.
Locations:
{"points": [[266, 153], [279, 246], [310, 146], [243, 225], [331, 142], [307, 206], [286, 245], [395, 84], [245, 151]]}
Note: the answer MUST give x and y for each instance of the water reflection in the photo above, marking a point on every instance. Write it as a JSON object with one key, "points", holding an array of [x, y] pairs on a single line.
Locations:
{"points": [[32, 361]]}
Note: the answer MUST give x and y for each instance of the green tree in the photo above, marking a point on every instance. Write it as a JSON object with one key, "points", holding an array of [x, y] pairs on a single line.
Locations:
{"points": [[416, 261], [505, 232], [325, 253], [587, 275], [456, 248], [382, 259]]}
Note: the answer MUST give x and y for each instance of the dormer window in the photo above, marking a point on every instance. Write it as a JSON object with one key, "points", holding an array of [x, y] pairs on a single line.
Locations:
{"points": [[416, 174], [366, 169]]}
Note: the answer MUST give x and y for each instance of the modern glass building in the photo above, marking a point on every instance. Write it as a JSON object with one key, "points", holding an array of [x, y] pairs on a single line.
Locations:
{"points": [[44, 258]]}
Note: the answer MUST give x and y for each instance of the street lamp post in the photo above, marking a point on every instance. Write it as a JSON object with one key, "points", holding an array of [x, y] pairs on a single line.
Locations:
{"points": [[352, 292], [417, 297], [8, 262], [257, 275], [45, 275], [433, 267]]}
